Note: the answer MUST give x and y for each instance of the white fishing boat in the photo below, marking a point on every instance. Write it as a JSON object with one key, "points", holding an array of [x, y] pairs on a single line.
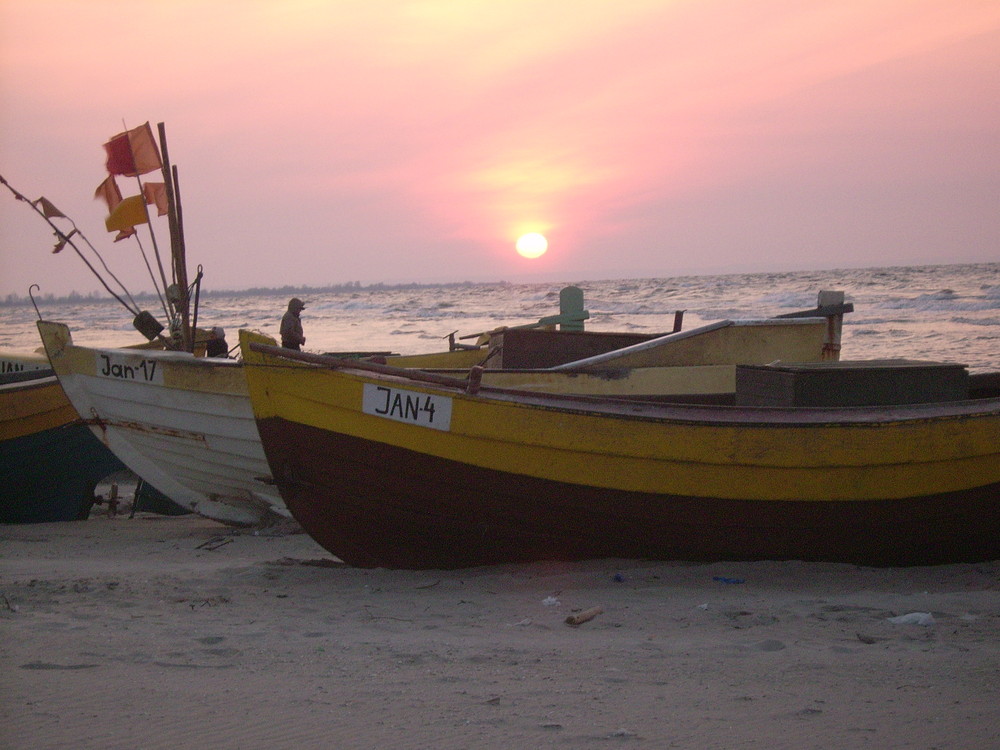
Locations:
{"points": [[182, 423]]}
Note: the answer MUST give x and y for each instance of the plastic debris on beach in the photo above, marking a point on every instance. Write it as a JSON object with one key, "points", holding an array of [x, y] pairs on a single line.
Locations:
{"points": [[913, 618]]}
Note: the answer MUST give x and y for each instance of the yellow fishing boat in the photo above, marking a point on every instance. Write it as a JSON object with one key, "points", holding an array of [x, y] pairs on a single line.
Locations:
{"points": [[395, 468]]}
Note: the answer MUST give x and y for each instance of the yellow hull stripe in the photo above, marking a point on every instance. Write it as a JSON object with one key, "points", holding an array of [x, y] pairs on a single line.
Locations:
{"points": [[819, 462], [32, 409]]}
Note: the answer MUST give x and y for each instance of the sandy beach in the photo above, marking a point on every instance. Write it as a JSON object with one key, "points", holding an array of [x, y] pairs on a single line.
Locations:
{"points": [[157, 632]]}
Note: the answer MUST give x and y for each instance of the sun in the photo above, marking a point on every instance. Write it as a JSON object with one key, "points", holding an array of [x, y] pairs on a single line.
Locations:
{"points": [[532, 245]]}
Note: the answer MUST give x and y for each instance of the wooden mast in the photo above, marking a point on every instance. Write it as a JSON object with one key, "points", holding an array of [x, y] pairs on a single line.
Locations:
{"points": [[177, 249]]}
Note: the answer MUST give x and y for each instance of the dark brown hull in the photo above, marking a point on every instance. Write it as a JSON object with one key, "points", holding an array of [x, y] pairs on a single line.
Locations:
{"points": [[376, 505]]}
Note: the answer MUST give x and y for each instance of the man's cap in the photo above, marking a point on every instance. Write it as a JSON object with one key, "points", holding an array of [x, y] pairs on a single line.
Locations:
{"points": [[297, 303]]}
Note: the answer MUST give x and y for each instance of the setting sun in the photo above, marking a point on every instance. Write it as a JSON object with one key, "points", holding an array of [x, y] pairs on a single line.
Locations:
{"points": [[532, 245]]}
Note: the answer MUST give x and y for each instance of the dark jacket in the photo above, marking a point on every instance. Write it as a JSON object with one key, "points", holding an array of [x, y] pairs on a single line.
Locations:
{"points": [[292, 336]]}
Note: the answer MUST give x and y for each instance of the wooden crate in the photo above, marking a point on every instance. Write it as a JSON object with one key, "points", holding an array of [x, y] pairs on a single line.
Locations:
{"points": [[851, 383]]}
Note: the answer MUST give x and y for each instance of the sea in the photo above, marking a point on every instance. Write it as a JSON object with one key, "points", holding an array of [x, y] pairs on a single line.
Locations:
{"points": [[944, 313]]}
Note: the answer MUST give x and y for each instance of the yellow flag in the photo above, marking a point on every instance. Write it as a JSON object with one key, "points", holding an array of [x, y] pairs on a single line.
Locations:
{"points": [[127, 214]]}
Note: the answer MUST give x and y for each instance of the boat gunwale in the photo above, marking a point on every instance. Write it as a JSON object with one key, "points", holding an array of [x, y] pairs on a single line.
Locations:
{"points": [[46, 379], [690, 333], [164, 355], [707, 414]]}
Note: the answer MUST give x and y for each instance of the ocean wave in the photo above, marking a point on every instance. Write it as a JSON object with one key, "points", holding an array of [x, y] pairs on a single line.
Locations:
{"points": [[788, 300], [605, 306], [987, 322], [945, 300]]}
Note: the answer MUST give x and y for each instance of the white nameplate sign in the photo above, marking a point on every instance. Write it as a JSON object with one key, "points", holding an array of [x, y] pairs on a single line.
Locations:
{"points": [[407, 406], [128, 367]]}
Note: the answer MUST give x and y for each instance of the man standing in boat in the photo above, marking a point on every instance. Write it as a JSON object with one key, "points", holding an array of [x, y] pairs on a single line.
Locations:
{"points": [[291, 326], [216, 345]]}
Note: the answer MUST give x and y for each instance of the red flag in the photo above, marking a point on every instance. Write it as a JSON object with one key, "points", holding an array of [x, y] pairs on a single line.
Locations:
{"points": [[156, 193], [108, 192], [120, 159], [133, 152]]}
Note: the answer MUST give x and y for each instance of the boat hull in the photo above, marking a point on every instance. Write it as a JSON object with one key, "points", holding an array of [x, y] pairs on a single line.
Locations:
{"points": [[397, 508], [50, 462], [516, 477]]}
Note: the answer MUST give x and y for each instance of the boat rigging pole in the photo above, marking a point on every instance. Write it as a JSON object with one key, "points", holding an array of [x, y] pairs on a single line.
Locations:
{"points": [[177, 249]]}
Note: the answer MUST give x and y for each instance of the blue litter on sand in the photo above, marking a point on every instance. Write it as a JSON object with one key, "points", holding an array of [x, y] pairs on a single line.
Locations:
{"points": [[723, 579]]}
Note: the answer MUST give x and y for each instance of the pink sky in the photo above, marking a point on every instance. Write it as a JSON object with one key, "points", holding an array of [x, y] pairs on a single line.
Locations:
{"points": [[381, 140]]}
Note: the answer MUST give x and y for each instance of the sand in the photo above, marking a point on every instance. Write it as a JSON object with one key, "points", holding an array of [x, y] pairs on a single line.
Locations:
{"points": [[159, 632]]}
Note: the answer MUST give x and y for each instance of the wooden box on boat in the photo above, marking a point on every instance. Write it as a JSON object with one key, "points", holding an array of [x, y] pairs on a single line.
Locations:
{"points": [[851, 383], [537, 347]]}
